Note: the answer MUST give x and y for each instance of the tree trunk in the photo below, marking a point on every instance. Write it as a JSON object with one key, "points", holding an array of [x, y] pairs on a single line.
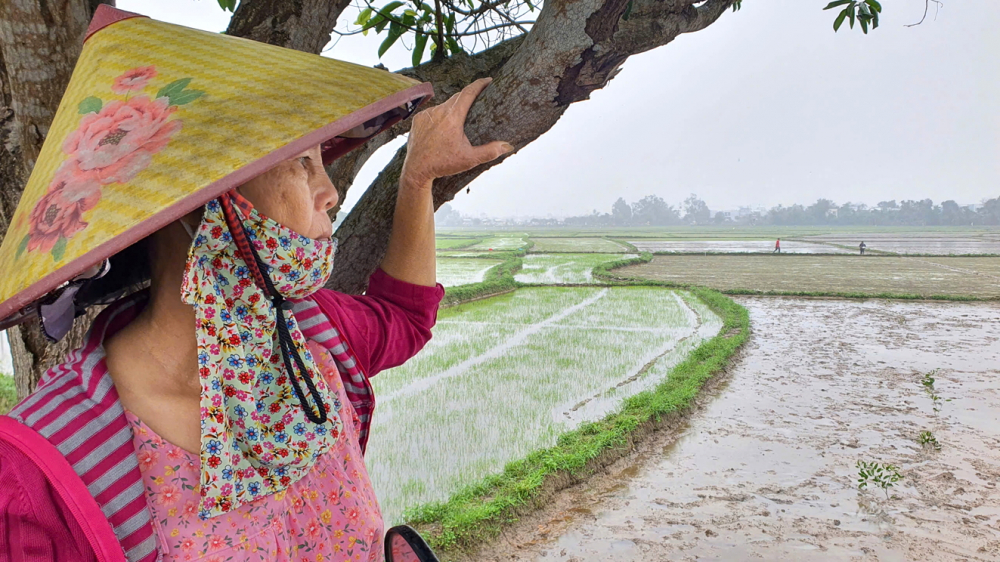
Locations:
{"points": [[574, 48]]}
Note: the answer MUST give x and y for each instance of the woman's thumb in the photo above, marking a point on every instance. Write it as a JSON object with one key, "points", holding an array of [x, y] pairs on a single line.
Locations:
{"points": [[491, 151]]}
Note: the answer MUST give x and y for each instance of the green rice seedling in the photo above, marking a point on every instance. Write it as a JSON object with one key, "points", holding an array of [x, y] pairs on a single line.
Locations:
{"points": [[506, 376], [452, 272], [877, 474], [928, 383], [927, 440]]}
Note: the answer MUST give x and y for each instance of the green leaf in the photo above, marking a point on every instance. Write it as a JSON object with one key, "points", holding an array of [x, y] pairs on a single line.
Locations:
{"points": [[839, 20], [388, 8], [185, 96], [628, 10], [381, 24], [90, 105], [173, 88], [451, 23], [22, 246], [395, 30], [875, 19], [229, 5], [418, 48], [850, 14], [59, 249], [454, 46], [874, 4], [364, 16], [408, 20], [836, 3], [864, 9], [409, 12]]}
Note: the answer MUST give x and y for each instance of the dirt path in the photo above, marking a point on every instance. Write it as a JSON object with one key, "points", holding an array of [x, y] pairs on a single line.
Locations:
{"points": [[767, 470]]}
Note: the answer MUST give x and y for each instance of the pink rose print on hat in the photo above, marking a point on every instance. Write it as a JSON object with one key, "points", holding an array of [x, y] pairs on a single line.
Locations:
{"points": [[134, 80], [114, 142]]}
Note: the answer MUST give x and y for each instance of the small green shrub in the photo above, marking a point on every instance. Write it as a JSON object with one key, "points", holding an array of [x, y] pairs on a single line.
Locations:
{"points": [[928, 440], [8, 395], [878, 474]]}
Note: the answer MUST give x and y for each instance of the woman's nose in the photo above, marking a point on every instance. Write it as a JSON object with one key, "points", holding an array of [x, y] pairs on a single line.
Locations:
{"points": [[326, 194]]}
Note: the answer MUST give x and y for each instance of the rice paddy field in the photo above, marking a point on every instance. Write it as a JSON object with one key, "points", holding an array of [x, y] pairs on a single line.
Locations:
{"points": [[577, 245], [501, 243], [738, 247], [505, 376], [559, 269], [935, 243], [925, 276], [452, 272]]}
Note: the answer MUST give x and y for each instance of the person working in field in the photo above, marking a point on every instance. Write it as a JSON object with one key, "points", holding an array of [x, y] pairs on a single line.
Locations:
{"points": [[777, 246], [862, 247], [220, 405]]}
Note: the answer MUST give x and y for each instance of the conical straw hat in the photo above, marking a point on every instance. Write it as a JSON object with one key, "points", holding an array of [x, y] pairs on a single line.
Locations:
{"points": [[157, 120]]}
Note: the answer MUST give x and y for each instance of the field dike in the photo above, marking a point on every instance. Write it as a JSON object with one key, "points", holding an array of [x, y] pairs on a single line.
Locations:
{"points": [[480, 512]]}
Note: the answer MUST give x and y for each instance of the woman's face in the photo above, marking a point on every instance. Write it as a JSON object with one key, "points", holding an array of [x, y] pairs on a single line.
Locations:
{"points": [[296, 193]]}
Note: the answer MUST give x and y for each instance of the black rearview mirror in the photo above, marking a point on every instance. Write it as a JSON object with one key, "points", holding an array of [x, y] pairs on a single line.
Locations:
{"points": [[403, 544]]}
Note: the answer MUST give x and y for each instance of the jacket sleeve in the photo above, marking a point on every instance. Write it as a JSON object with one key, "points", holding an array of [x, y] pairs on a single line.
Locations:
{"points": [[387, 325], [35, 524]]}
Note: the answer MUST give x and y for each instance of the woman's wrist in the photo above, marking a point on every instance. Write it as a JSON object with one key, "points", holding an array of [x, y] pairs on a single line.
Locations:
{"points": [[410, 182]]}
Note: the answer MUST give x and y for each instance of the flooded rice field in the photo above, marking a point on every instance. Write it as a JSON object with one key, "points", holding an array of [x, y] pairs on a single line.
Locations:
{"points": [[738, 246], [937, 245], [969, 276], [562, 269], [577, 245], [452, 272], [767, 470], [507, 375]]}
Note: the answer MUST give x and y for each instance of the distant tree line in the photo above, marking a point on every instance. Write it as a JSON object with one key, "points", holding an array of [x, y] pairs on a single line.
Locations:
{"points": [[652, 210]]}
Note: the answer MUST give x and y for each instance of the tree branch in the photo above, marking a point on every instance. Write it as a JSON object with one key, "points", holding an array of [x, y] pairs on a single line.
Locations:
{"points": [[575, 47], [304, 25]]}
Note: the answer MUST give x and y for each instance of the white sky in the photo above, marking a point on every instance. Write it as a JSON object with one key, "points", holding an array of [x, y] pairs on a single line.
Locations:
{"points": [[766, 106]]}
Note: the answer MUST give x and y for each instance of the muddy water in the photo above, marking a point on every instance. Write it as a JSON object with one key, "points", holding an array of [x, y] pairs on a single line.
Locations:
{"points": [[767, 470]]}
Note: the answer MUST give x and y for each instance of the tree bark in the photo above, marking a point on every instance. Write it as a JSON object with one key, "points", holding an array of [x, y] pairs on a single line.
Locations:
{"points": [[303, 25], [574, 48]]}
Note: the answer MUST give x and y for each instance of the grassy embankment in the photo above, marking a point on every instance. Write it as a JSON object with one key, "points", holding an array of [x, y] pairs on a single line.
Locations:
{"points": [[481, 511]]}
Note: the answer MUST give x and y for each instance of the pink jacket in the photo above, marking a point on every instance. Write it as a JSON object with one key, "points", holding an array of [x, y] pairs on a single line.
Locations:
{"points": [[70, 486]]}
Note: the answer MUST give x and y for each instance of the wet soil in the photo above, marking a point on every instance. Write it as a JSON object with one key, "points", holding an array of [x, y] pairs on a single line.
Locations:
{"points": [[767, 470], [738, 246]]}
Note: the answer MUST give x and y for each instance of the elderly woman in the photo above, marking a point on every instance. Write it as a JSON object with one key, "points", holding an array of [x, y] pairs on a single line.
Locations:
{"points": [[221, 413]]}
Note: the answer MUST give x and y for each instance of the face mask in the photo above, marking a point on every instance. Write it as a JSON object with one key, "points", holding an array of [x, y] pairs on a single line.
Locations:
{"points": [[257, 437]]}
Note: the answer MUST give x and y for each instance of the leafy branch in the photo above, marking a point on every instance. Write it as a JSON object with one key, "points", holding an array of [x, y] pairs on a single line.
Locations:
{"points": [[878, 474], [865, 12]]}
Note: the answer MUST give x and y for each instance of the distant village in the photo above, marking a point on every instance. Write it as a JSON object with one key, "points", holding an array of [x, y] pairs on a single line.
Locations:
{"points": [[652, 210]]}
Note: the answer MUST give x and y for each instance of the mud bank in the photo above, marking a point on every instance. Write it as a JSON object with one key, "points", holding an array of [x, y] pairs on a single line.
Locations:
{"points": [[767, 470]]}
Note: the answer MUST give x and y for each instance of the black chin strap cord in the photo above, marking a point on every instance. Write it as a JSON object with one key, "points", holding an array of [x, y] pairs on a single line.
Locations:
{"points": [[288, 349]]}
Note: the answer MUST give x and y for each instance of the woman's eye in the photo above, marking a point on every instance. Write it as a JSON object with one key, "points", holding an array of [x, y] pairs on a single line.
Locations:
{"points": [[305, 161]]}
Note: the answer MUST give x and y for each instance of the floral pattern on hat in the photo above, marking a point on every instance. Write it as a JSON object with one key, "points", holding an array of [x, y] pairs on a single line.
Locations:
{"points": [[114, 142]]}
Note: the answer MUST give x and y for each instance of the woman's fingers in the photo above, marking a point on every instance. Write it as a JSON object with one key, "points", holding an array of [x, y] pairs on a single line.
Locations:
{"points": [[468, 95]]}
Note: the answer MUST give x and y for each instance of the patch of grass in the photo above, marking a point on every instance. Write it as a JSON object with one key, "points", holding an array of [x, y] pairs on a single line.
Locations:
{"points": [[455, 243], [479, 512], [498, 280], [8, 394]]}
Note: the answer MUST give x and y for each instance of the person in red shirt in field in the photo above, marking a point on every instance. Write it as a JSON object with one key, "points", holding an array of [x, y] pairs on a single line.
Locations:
{"points": [[777, 246]]}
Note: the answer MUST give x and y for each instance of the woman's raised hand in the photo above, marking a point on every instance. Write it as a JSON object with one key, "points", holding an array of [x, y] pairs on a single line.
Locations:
{"points": [[438, 147]]}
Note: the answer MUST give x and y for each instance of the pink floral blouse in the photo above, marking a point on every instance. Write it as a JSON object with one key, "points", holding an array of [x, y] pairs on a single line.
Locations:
{"points": [[330, 515]]}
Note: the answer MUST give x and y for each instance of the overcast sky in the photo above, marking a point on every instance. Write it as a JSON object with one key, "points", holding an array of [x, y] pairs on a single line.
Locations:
{"points": [[766, 106]]}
